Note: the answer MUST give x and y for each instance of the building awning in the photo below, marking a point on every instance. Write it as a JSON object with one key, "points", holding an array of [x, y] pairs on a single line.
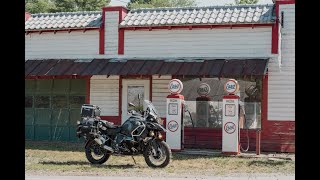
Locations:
{"points": [[201, 68]]}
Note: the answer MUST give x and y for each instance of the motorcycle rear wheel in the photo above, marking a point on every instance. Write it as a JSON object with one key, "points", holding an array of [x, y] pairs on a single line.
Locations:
{"points": [[162, 157], [96, 154]]}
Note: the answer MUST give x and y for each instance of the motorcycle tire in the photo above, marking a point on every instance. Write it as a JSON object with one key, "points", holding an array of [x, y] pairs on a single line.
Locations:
{"points": [[166, 150], [89, 156]]}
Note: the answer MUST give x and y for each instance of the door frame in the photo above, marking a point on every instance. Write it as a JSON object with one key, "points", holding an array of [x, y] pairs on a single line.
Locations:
{"points": [[131, 81]]}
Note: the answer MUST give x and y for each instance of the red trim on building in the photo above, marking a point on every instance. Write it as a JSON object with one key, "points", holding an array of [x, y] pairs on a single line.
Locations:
{"points": [[58, 77], [230, 153], [121, 41], [101, 37], [27, 15], [88, 90], [275, 33], [231, 97], [60, 30], [285, 2], [177, 96], [197, 26], [122, 13]]}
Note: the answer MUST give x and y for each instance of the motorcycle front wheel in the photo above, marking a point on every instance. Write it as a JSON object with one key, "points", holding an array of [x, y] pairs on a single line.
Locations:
{"points": [[158, 155], [96, 154]]}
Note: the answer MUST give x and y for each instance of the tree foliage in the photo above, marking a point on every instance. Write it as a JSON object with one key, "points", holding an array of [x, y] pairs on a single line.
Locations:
{"points": [[134, 4], [37, 6], [246, 1]]}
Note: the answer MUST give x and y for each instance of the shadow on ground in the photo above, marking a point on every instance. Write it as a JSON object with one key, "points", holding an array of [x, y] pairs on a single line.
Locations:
{"points": [[87, 163], [266, 163], [55, 146]]}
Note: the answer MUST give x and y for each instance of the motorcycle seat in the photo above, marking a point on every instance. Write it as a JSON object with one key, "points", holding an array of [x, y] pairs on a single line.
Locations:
{"points": [[110, 124]]}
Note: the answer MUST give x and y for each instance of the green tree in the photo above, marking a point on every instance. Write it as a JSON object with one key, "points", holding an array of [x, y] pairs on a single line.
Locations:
{"points": [[38, 6], [134, 4], [80, 5], [246, 1]]}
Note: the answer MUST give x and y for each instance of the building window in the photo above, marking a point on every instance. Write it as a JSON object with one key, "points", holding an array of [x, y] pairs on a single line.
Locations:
{"points": [[59, 102], [207, 112], [42, 102], [76, 101], [28, 101]]}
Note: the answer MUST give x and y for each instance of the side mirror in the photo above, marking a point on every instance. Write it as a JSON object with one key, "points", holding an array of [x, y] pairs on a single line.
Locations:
{"points": [[131, 105]]}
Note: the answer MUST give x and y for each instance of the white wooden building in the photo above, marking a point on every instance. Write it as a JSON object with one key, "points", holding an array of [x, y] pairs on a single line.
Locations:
{"points": [[99, 57]]}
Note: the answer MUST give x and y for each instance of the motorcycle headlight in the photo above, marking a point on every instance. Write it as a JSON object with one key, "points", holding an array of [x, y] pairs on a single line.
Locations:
{"points": [[78, 122]]}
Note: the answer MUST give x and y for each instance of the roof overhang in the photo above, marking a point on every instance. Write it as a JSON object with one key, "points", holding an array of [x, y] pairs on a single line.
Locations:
{"points": [[145, 67]]}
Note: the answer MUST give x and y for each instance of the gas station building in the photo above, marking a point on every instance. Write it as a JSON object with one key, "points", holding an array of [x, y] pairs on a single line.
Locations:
{"points": [[111, 57]]}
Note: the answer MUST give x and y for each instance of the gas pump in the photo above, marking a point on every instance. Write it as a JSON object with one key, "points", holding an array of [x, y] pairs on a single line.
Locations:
{"points": [[230, 119], [174, 124], [202, 105]]}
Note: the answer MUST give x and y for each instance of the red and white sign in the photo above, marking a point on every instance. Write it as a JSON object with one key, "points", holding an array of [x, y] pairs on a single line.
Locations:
{"points": [[175, 86], [173, 126], [231, 86], [230, 127], [203, 89]]}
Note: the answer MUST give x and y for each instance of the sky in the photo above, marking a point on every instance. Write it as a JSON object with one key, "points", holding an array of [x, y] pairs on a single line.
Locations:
{"points": [[199, 2]]}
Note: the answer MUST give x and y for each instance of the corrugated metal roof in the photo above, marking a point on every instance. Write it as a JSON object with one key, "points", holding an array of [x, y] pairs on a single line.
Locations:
{"points": [[207, 68], [64, 20], [232, 14]]}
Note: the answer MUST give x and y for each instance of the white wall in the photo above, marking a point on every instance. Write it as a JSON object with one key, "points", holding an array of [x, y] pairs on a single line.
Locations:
{"points": [[225, 43], [104, 92], [281, 84], [111, 32], [159, 93], [62, 44]]}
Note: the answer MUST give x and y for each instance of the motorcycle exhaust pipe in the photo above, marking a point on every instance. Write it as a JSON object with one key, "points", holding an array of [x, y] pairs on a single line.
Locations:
{"points": [[108, 148], [98, 140]]}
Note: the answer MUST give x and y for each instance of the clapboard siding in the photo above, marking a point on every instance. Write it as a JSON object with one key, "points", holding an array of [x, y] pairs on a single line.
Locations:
{"points": [[236, 42], [281, 80], [62, 44], [104, 92], [111, 32], [159, 93]]}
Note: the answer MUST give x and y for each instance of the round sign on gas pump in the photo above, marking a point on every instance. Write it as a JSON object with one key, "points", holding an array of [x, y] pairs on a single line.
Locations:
{"points": [[203, 89], [175, 86], [231, 86]]}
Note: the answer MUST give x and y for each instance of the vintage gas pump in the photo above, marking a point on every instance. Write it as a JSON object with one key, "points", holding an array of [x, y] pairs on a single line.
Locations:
{"points": [[230, 119], [202, 105], [174, 134]]}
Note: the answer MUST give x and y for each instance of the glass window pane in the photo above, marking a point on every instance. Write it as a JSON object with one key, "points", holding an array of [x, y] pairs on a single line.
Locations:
{"points": [[136, 96], [59, 102], [28, 102], [209, 113], [42, 102], [77, 101]]}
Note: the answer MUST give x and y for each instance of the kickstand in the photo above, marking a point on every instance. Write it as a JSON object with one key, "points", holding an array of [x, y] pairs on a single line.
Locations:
{"points": [[134, 160]]}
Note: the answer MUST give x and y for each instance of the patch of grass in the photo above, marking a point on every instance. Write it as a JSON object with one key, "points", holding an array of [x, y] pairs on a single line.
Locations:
{"points": [[69, 159]]}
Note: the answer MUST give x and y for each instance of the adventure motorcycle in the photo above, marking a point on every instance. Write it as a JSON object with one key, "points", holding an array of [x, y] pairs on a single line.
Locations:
{"points": [[139, 134]]}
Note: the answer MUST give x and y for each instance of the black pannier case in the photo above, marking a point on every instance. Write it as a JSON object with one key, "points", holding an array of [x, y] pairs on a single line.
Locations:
{"points": [[89, 110]]}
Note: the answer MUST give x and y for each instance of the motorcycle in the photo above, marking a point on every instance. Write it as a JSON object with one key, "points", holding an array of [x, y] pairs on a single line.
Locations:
{"points": [[139, 134]]}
